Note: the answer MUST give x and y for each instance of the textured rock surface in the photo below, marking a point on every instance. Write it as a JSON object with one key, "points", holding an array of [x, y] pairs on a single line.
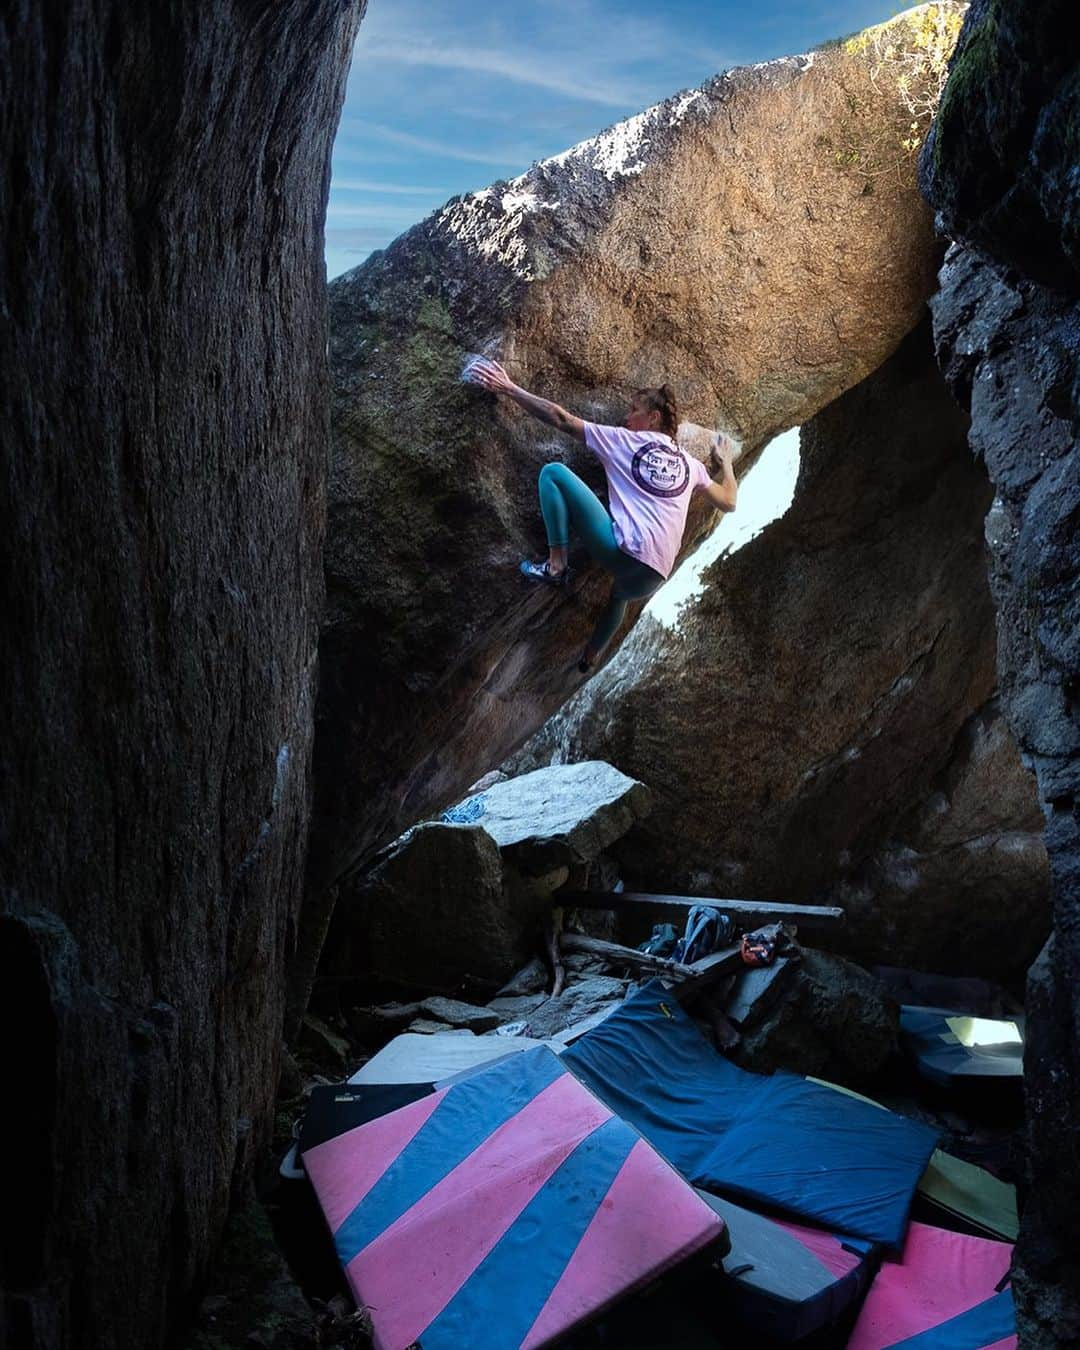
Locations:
{"points": [[816, 688], [1011, 351], [564, 816], [165, 424], [449, 901], [746, 241], [1000, 162], [963, 884], [835, 1021], [580, 999]]}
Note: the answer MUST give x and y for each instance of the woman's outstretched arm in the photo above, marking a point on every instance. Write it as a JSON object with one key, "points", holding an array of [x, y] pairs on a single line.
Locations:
{"points": [[491, 376], [723, 493]]}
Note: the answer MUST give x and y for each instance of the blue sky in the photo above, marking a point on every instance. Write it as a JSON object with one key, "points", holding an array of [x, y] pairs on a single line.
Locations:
{"points": [[446, 96]]}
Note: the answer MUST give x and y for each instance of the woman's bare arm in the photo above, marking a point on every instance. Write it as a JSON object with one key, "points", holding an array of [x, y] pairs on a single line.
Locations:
{"points": [[491, 376], [723, 493]]}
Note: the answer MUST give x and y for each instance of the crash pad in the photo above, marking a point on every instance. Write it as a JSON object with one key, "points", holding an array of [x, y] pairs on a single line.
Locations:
{"points": [[959, 1188], [417, 1058], [777, 1141], [502, 1210], [785, 1280], [951, 1048], [946, 1293]]}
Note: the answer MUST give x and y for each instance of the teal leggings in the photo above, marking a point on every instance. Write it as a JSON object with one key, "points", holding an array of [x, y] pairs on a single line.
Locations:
{"points": [[565, 502]]}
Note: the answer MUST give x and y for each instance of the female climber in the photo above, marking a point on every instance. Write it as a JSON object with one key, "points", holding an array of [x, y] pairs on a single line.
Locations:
{"points": [[650, 482]]}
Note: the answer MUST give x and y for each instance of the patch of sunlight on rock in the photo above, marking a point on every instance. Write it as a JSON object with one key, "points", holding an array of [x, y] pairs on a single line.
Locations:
{"points": [[764, 495]]}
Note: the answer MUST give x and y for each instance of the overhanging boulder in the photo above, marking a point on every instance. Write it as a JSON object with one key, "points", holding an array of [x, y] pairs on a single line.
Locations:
{"points": [[759, 242]]}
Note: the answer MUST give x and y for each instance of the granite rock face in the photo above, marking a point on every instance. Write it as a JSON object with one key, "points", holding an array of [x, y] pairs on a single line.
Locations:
{"points": [[1011, 351], [447, 901], [564, 816], [165, 424], [963, 883], [1002, 171], [813, 698], [1000, 161], [746, 241]]}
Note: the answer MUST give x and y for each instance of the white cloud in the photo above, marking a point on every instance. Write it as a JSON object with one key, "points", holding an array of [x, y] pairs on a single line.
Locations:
{"points": [[538, 70], [345, 184], [445, 149]]}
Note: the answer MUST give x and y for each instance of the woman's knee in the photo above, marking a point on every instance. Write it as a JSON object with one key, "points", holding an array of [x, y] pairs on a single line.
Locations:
{"points": [[555, 473]]}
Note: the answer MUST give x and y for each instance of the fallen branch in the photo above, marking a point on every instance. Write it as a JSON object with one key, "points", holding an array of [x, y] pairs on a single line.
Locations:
{"points": [[617, 955]]}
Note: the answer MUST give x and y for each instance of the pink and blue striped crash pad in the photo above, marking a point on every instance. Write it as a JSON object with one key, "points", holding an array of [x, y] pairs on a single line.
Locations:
{"points": [[946, 1293], [502, 1210]]}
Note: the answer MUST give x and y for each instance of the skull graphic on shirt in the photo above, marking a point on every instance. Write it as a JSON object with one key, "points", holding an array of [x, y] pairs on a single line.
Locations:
{"points": [[660, 470]]}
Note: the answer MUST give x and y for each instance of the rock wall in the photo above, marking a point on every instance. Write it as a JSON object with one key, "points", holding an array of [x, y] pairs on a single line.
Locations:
{"points": [[165, 422], [1001, 168], [808, 706], [759, 242], [962, 884]]}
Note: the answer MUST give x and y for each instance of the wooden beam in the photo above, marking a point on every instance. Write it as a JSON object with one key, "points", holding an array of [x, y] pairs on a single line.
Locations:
{"points": [[709, 971], [750, 913]]}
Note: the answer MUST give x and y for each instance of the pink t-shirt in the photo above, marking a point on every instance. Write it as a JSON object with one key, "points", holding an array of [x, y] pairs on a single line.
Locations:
{"points": [[650, 482]]}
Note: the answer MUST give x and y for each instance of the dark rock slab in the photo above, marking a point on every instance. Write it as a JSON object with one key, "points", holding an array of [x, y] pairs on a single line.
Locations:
{"points": [[448, 901], [530, 979], [1010, 348], [458, 1014], [834, 1021], [163, 348], [757, 990], [1000, 161]]}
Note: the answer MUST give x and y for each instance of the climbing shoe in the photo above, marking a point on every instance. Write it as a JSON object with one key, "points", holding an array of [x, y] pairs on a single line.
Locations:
{"points": [[542, 572]]}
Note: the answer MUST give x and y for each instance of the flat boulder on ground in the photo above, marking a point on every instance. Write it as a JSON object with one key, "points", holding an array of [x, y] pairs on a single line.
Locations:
{"points": [[448, 901], [565, 815]]}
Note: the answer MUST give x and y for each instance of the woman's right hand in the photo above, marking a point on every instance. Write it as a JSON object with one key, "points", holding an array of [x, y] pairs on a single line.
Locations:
{"points": [[490, 375]]}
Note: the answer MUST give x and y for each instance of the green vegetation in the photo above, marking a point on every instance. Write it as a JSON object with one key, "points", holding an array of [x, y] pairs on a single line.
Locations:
{"points": [[886, 117]]}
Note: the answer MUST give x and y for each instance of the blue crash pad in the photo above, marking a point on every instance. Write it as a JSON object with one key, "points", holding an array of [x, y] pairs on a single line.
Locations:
{"points": [[778, 1141]]}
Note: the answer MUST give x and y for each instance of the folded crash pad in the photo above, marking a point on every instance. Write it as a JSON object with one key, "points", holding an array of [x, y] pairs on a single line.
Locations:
{"points": [[946, 1293], [415, 1058], [777, 1141], [951, 1048], [784, 1280], [503, 1210], [960, 1190]]}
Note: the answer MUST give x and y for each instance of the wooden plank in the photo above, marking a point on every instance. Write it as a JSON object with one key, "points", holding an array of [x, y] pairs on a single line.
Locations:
{"points": [[709, 971], [752, 912]]}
